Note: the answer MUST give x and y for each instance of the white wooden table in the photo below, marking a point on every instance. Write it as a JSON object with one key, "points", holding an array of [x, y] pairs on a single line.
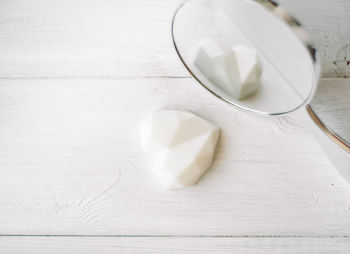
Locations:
{"points": [[77, 77]]}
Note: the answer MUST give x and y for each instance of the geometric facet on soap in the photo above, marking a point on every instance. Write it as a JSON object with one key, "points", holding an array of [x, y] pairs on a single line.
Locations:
{"points": [[244, 69], [180, 145], [210, 59]]}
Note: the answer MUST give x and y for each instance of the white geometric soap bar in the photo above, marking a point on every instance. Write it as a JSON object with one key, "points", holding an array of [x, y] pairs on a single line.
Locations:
{"points": [[180, 145], [236, 70]]}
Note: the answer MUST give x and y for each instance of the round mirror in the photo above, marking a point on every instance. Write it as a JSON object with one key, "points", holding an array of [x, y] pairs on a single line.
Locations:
{"points": [[249, 53]]}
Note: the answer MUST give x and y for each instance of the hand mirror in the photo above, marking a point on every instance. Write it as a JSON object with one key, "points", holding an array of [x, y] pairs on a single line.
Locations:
{"points": [[290, 66]]}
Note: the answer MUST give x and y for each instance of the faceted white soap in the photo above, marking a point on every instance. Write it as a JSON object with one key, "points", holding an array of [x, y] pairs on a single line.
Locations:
{"points": [[180, 145], [236, 70]]}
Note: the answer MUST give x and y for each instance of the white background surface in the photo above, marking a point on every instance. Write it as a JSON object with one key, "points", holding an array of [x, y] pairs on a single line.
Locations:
{"points": [[77, 77]]}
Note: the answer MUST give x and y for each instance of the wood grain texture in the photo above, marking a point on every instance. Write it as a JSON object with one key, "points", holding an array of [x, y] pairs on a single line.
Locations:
{"points": [[71, 164], [77, 77], [105, 38], [131, 38], [79, 245]]}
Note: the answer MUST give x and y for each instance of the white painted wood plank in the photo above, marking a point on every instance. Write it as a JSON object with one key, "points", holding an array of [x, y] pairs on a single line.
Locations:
{"points": [[70, 163], [130, 37], [87, 38], [48, 245]]}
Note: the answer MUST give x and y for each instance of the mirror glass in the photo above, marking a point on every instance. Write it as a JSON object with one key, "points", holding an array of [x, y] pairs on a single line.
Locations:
{"points": [[288, 65]]}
